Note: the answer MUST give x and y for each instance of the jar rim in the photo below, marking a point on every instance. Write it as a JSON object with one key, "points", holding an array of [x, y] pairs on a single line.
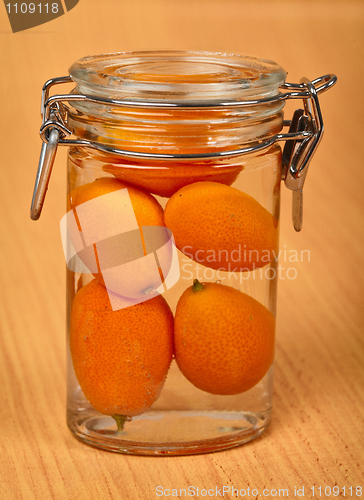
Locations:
{"points": [[176, 75]]}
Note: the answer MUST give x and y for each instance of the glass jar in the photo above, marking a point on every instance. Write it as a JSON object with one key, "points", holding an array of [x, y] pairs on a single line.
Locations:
{"points": [[171, 243]]}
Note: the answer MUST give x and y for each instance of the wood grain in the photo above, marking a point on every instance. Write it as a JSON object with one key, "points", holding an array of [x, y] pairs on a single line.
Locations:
{"points": [[316, 437]]}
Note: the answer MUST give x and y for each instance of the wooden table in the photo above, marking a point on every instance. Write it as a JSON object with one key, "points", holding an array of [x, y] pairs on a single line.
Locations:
{"points": [[316, 437]]}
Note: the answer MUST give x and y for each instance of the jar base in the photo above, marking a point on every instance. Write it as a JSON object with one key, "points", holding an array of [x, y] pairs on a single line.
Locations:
{"points": [[162, 433]]}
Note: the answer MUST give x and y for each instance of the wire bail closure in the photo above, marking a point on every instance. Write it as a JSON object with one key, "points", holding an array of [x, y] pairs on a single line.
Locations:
{"points": [[302, 140], [298, 154]]}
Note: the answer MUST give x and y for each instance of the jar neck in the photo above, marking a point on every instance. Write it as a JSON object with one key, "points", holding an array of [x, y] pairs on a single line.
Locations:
{"points": [[178, 131]]}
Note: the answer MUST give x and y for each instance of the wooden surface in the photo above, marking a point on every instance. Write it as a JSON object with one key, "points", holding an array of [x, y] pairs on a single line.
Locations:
{"points": [[316, 437]]}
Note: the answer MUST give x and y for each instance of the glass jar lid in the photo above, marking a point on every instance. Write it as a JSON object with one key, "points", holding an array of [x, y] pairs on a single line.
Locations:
{"points": [[177, 75]]}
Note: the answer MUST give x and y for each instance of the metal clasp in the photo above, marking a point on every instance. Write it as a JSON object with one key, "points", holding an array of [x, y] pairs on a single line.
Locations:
{"points": [[51, 131], [297, 153], [46, 161]]}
